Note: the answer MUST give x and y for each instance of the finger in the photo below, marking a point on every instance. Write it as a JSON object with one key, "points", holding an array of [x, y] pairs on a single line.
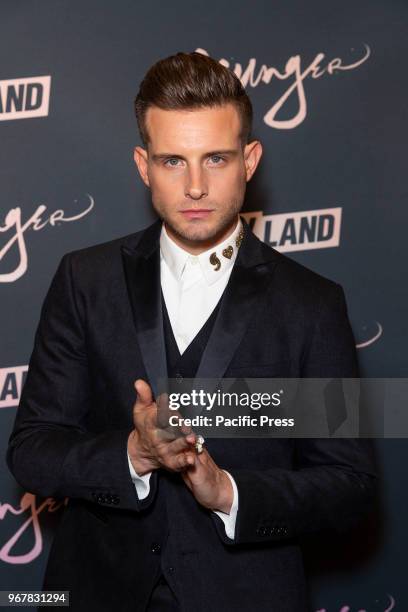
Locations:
{"points": [[163, 436], [163, 421], [177, 462], [167, 447], [163, 400], [186, 429], [185, 460], [179, 445], [163, 411], [191, 438], [144, 392]]}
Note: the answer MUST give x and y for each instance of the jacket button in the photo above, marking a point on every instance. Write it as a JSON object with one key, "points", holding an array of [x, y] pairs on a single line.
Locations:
{"points": [[170, 570], [115, 499], [100, 499], [262, 531], [156, 548]]}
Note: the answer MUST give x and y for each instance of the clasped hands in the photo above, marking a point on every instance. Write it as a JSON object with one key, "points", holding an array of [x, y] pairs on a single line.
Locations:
{"points": [[151, 447]]}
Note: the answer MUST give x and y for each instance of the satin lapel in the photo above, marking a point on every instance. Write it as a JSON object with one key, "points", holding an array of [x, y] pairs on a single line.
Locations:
{"points": [[239, 305], [242, 298], [142, 272]]}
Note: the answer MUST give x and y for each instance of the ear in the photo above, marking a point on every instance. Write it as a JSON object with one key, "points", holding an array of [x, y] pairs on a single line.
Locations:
{"points": [[140, 156], [252, 155]]}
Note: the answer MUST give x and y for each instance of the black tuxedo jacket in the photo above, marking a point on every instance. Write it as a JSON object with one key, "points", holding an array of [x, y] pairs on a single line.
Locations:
{"points": [[100, 329]]}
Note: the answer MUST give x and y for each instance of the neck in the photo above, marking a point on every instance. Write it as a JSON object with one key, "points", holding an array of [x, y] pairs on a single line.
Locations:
{"points": [[195, 247]]}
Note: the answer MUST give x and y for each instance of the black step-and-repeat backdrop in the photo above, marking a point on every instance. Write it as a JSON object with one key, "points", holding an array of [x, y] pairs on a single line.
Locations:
{"points": [[328, 81]]}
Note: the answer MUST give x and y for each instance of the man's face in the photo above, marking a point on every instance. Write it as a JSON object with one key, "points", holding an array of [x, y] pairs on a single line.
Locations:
{"points": [[197, 171]]}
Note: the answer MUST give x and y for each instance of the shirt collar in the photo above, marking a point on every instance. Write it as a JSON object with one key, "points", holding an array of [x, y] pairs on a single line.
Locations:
{"points": [[176, 257]]}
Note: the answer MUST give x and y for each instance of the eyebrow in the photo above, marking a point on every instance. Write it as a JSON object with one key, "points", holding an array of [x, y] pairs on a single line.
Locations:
{"points": [[160, 156]]}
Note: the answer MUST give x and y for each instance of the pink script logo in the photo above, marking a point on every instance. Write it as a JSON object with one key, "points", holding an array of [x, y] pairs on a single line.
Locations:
{"points": [[390, 606], [27, 504]]}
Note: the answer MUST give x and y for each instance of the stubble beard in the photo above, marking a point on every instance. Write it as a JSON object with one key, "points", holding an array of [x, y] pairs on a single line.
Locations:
{"points": [[200, 235]]}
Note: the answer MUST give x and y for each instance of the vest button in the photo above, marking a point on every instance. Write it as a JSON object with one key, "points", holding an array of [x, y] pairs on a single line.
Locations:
{"points": [[179, 376]]}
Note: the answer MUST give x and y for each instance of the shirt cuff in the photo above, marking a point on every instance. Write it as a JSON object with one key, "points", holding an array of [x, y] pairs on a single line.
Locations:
{"points": [[142, 483], [229, 520]]}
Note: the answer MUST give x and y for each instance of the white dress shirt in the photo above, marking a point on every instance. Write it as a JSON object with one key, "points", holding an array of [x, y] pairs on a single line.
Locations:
{"points": [[191, 288]]}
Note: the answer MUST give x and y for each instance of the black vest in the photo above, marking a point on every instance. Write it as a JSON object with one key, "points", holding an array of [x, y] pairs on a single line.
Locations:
{"points": [[178, 366], [186, 365]]}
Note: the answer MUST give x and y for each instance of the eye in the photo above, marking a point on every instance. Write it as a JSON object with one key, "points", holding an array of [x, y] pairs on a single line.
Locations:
{"points": [[169, 162], [216, 160]]}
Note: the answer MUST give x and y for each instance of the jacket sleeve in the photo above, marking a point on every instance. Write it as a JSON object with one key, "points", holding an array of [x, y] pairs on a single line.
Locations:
{"points": [[51, 450], [334, 481]]}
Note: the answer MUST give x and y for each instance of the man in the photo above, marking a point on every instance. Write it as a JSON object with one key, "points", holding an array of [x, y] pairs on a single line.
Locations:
{"points": [[152, 523]]}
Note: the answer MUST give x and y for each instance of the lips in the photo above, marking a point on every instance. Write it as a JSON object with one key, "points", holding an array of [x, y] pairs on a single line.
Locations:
{"points": [[197, 213]]}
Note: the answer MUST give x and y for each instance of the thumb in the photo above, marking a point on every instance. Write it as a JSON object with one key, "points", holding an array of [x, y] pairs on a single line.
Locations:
{"points": [[144, 392]]}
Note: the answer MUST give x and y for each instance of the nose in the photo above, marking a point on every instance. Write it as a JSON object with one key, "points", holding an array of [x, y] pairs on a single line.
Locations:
{"points": [[196, 186]]}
